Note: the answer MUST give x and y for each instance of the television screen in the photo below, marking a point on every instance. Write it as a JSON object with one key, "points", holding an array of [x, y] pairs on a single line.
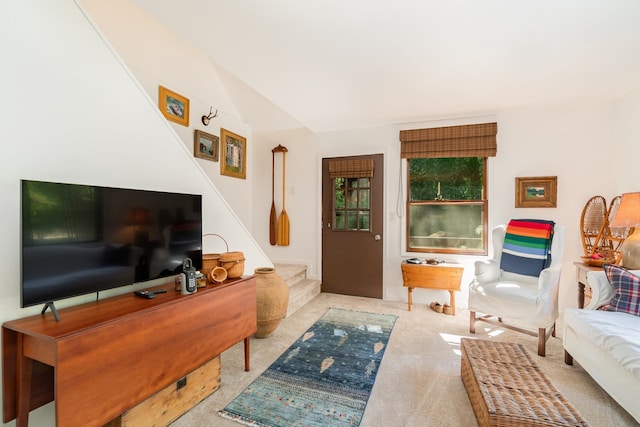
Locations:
{"points": [[79, 239]]}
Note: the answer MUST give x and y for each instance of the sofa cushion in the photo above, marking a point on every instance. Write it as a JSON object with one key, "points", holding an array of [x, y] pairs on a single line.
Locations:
{"points": [[627, 287], [527, 245], [615, 333]]}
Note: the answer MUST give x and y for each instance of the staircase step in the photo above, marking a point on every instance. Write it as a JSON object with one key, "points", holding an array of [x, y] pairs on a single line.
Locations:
{"points": [[291, 273], [301, 293], [301, 289]]}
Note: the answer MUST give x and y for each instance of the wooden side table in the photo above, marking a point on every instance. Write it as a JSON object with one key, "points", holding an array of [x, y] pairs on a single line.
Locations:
{"points": [[584, 290], [440, 276]]}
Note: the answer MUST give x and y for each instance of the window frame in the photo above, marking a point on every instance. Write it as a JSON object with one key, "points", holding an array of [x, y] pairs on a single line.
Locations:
{"points": [[346, 210], [484, 201]]}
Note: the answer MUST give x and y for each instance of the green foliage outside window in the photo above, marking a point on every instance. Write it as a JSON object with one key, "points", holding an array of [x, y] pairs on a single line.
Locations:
{"points": [[460, 178]]}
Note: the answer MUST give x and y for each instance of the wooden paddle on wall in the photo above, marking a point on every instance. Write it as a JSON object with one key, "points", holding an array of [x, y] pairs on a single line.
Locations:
{"points": [[283, 220], [272, 214]]}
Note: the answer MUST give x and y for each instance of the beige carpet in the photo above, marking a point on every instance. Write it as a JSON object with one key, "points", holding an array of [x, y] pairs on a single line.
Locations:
{"points": [[419, 380]]}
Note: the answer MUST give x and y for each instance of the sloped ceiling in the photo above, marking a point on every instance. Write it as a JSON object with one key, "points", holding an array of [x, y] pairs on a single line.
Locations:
{"points": [[331, 65]]}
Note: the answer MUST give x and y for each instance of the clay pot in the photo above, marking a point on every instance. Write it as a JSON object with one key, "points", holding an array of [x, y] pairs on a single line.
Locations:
{"points": [[272, 300]]}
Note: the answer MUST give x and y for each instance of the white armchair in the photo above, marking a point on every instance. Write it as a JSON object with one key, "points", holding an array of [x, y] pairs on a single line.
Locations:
{"points": [[529, 301]]}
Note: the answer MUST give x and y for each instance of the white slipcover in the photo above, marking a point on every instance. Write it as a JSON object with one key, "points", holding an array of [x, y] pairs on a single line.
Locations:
{"points": [[606, 344], [531, 301]]}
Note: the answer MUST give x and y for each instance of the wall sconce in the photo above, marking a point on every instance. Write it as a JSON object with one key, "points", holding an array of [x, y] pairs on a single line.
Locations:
{"points": [[207, 119]]}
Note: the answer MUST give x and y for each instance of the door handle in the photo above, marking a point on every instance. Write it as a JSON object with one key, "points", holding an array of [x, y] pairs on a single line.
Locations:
{"points": [[377, 237]]}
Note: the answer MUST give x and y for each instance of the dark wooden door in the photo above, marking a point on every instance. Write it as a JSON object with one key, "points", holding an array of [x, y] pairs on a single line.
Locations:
{"points": [[352, 222]]}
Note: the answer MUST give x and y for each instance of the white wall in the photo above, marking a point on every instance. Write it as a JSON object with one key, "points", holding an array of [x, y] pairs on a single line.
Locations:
{"points": [[566, 142], [626, 149], [157, 57], [73, 113]]}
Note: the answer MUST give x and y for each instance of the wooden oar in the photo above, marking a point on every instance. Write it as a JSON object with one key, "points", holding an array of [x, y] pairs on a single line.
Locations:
{"points": [[272, 215], [283, 220]]}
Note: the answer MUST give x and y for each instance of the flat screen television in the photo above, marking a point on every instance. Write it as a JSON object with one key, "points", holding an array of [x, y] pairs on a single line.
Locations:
{"points": [[80, 239]]}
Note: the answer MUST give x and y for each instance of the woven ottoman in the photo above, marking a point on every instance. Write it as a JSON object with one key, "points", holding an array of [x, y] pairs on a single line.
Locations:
{"points": [[507, 388]]}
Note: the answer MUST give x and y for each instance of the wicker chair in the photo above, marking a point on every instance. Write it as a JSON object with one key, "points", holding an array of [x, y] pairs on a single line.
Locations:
{"points": [[530, 302]]}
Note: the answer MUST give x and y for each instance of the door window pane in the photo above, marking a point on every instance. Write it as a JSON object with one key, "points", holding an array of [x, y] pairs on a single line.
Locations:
{"points": [[352, 199], [339, 221], [363, 202], [351, 204], [338, 199], [364, 220]]}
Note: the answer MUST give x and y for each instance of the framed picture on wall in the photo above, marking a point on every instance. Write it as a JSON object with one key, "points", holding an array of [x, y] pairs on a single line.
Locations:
{"points": [[234, 154], [173, 106], [205, 145], [536, 192]]}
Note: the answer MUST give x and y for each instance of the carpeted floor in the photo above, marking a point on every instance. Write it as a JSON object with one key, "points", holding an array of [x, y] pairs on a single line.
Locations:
{"points": [[418, 383]]}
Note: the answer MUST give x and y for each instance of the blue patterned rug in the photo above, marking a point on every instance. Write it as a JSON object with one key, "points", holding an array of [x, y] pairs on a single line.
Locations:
{"points": [[324, 379]]}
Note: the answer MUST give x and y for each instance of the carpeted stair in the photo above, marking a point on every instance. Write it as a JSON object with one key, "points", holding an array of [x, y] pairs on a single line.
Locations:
{"points": [[301, 289]]}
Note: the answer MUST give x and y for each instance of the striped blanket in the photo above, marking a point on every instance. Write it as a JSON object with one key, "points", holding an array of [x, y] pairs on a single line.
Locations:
{"points": [[527, 246]]}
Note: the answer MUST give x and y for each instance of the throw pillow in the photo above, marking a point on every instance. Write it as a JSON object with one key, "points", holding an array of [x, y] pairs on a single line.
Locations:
{"points": [[627, 286], [527, 246]]}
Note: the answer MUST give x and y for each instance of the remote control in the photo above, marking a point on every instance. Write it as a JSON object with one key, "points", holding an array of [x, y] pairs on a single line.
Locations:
{"points": [[145, 294], [160, 291]]}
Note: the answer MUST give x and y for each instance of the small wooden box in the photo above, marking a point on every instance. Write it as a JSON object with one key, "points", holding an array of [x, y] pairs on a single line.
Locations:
{"points": [[170, 403]]}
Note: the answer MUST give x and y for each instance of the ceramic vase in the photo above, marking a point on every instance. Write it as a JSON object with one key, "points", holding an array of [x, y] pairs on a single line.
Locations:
{"points": [[272, 300]]}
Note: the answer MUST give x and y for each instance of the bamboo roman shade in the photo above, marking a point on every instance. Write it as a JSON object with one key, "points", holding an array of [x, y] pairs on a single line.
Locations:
{"points": [[451, 141], [359, 168]]}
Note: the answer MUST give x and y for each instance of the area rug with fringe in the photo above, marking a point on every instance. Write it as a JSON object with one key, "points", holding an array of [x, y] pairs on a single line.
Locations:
{"points": [[324, 379]]}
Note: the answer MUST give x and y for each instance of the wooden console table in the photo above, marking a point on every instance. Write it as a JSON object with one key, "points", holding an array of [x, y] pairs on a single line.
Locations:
{"points": [[103, 358], [438, 276]]}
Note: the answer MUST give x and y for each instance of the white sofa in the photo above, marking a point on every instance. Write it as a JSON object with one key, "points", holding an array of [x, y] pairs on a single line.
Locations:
{"points": [[606, 344]]}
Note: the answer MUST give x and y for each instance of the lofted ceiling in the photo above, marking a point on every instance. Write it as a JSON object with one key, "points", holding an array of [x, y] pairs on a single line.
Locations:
{"points": [[331, 65]]}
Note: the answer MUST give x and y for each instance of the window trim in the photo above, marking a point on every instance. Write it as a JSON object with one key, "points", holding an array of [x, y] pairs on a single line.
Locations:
{"points": [[484, 201]]}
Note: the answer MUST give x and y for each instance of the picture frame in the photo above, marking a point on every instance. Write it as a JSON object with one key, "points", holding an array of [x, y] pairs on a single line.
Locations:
{"points": [[174, 107], [233, 154], [536, 192], [206, 145]]}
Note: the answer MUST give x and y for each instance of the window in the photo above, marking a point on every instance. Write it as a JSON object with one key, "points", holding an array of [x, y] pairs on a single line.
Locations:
{"points": [[351, 204], [446, 207], [447, 201], [351, 194]]}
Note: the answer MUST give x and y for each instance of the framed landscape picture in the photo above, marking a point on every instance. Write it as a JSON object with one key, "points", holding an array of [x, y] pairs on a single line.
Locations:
{"points": [[536, 192], [173, 106], [234, 154], [205, 145]]}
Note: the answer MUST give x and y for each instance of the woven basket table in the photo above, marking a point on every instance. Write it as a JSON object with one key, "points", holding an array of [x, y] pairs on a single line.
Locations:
{"points": [[507, 388]]}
